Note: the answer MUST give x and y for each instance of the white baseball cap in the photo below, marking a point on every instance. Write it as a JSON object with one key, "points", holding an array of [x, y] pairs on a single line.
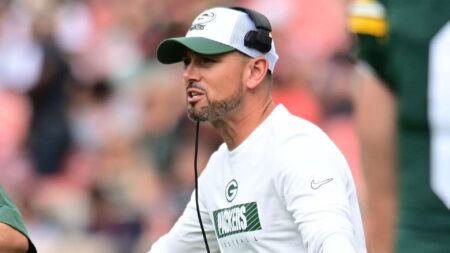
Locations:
{"points": [[215, 31]]}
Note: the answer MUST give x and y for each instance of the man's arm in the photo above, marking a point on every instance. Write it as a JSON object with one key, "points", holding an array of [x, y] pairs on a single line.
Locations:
{"points": [[11, 240], [327, 215], [186, 235], [375, 113]]}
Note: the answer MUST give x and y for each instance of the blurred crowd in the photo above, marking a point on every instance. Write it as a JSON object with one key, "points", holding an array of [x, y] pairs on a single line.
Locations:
{"points": [[95, 147]]}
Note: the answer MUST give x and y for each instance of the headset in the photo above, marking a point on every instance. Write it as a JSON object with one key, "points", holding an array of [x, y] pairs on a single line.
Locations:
{"points": [[257, 39]]}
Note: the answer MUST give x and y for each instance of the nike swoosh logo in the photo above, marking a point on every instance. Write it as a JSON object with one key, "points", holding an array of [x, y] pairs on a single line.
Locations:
{"points": [[317, 185]]}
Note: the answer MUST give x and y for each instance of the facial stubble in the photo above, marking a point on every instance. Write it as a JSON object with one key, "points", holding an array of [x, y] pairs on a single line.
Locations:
{"points": [[214, 110]]}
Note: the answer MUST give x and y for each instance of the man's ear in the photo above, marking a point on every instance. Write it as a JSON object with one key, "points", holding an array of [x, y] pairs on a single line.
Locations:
{"points": [[257, 71]]}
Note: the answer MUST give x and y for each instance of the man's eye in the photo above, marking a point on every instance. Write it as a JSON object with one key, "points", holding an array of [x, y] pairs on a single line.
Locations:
{"points": [[186, 61], [207, 60]]}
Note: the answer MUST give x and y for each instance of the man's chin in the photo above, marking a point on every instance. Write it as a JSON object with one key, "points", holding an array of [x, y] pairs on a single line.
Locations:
{"points": [[204, 114], [196, 118], [195, 115]]}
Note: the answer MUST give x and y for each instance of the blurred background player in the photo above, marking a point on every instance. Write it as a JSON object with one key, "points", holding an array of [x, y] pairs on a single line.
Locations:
{"points": [[13, 234], [404, 123]]}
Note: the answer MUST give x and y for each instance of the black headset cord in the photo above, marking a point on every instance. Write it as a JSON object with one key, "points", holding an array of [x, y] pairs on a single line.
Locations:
{"points": [[196, 186]]}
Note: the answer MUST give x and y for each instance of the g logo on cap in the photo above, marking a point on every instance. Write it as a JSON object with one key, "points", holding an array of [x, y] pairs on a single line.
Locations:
{"points": [[231, 190], [202, 19], [205, 17]]}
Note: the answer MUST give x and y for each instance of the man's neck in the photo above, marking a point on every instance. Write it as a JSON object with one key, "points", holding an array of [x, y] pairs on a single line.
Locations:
{"points": [[236, 128]]}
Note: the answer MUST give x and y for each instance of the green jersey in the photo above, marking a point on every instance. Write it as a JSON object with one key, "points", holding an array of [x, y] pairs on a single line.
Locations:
{"points": [[9, 214], [414, 60]]}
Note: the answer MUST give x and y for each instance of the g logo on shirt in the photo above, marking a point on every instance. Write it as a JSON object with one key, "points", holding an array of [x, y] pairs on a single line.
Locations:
{"points": [[231, 190]]}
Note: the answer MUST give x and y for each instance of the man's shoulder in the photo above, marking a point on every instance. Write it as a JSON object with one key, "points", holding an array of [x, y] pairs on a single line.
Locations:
{"points": [[300, 140], [291, 128]]}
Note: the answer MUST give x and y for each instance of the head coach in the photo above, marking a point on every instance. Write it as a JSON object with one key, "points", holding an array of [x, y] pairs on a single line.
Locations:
{"points": [[277, 183]]}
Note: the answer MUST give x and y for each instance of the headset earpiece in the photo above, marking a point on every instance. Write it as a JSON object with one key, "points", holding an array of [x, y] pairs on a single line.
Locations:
{"points": [[257, 39]]}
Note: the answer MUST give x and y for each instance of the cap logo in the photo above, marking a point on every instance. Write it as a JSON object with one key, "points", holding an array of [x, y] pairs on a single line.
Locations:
{"points": [[202, 19]]}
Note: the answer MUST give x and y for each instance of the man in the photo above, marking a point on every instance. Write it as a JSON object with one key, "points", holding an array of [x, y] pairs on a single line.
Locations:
{"points": [[277, 184], [404, 122], [13, 234]]}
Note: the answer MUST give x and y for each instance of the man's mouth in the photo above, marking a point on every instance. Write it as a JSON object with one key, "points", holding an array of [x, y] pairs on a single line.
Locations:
{"points": [[194, 95]]}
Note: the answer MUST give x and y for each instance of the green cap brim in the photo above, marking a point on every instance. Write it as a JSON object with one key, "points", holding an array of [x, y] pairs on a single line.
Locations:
{"points": [[172, 50]]}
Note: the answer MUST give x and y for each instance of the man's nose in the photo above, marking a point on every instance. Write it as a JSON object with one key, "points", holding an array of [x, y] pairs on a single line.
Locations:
{"points": [[190, 73]]}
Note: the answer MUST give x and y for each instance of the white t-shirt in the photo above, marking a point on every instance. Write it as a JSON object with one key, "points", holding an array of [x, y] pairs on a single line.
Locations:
{"points": [[286, 188]]}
